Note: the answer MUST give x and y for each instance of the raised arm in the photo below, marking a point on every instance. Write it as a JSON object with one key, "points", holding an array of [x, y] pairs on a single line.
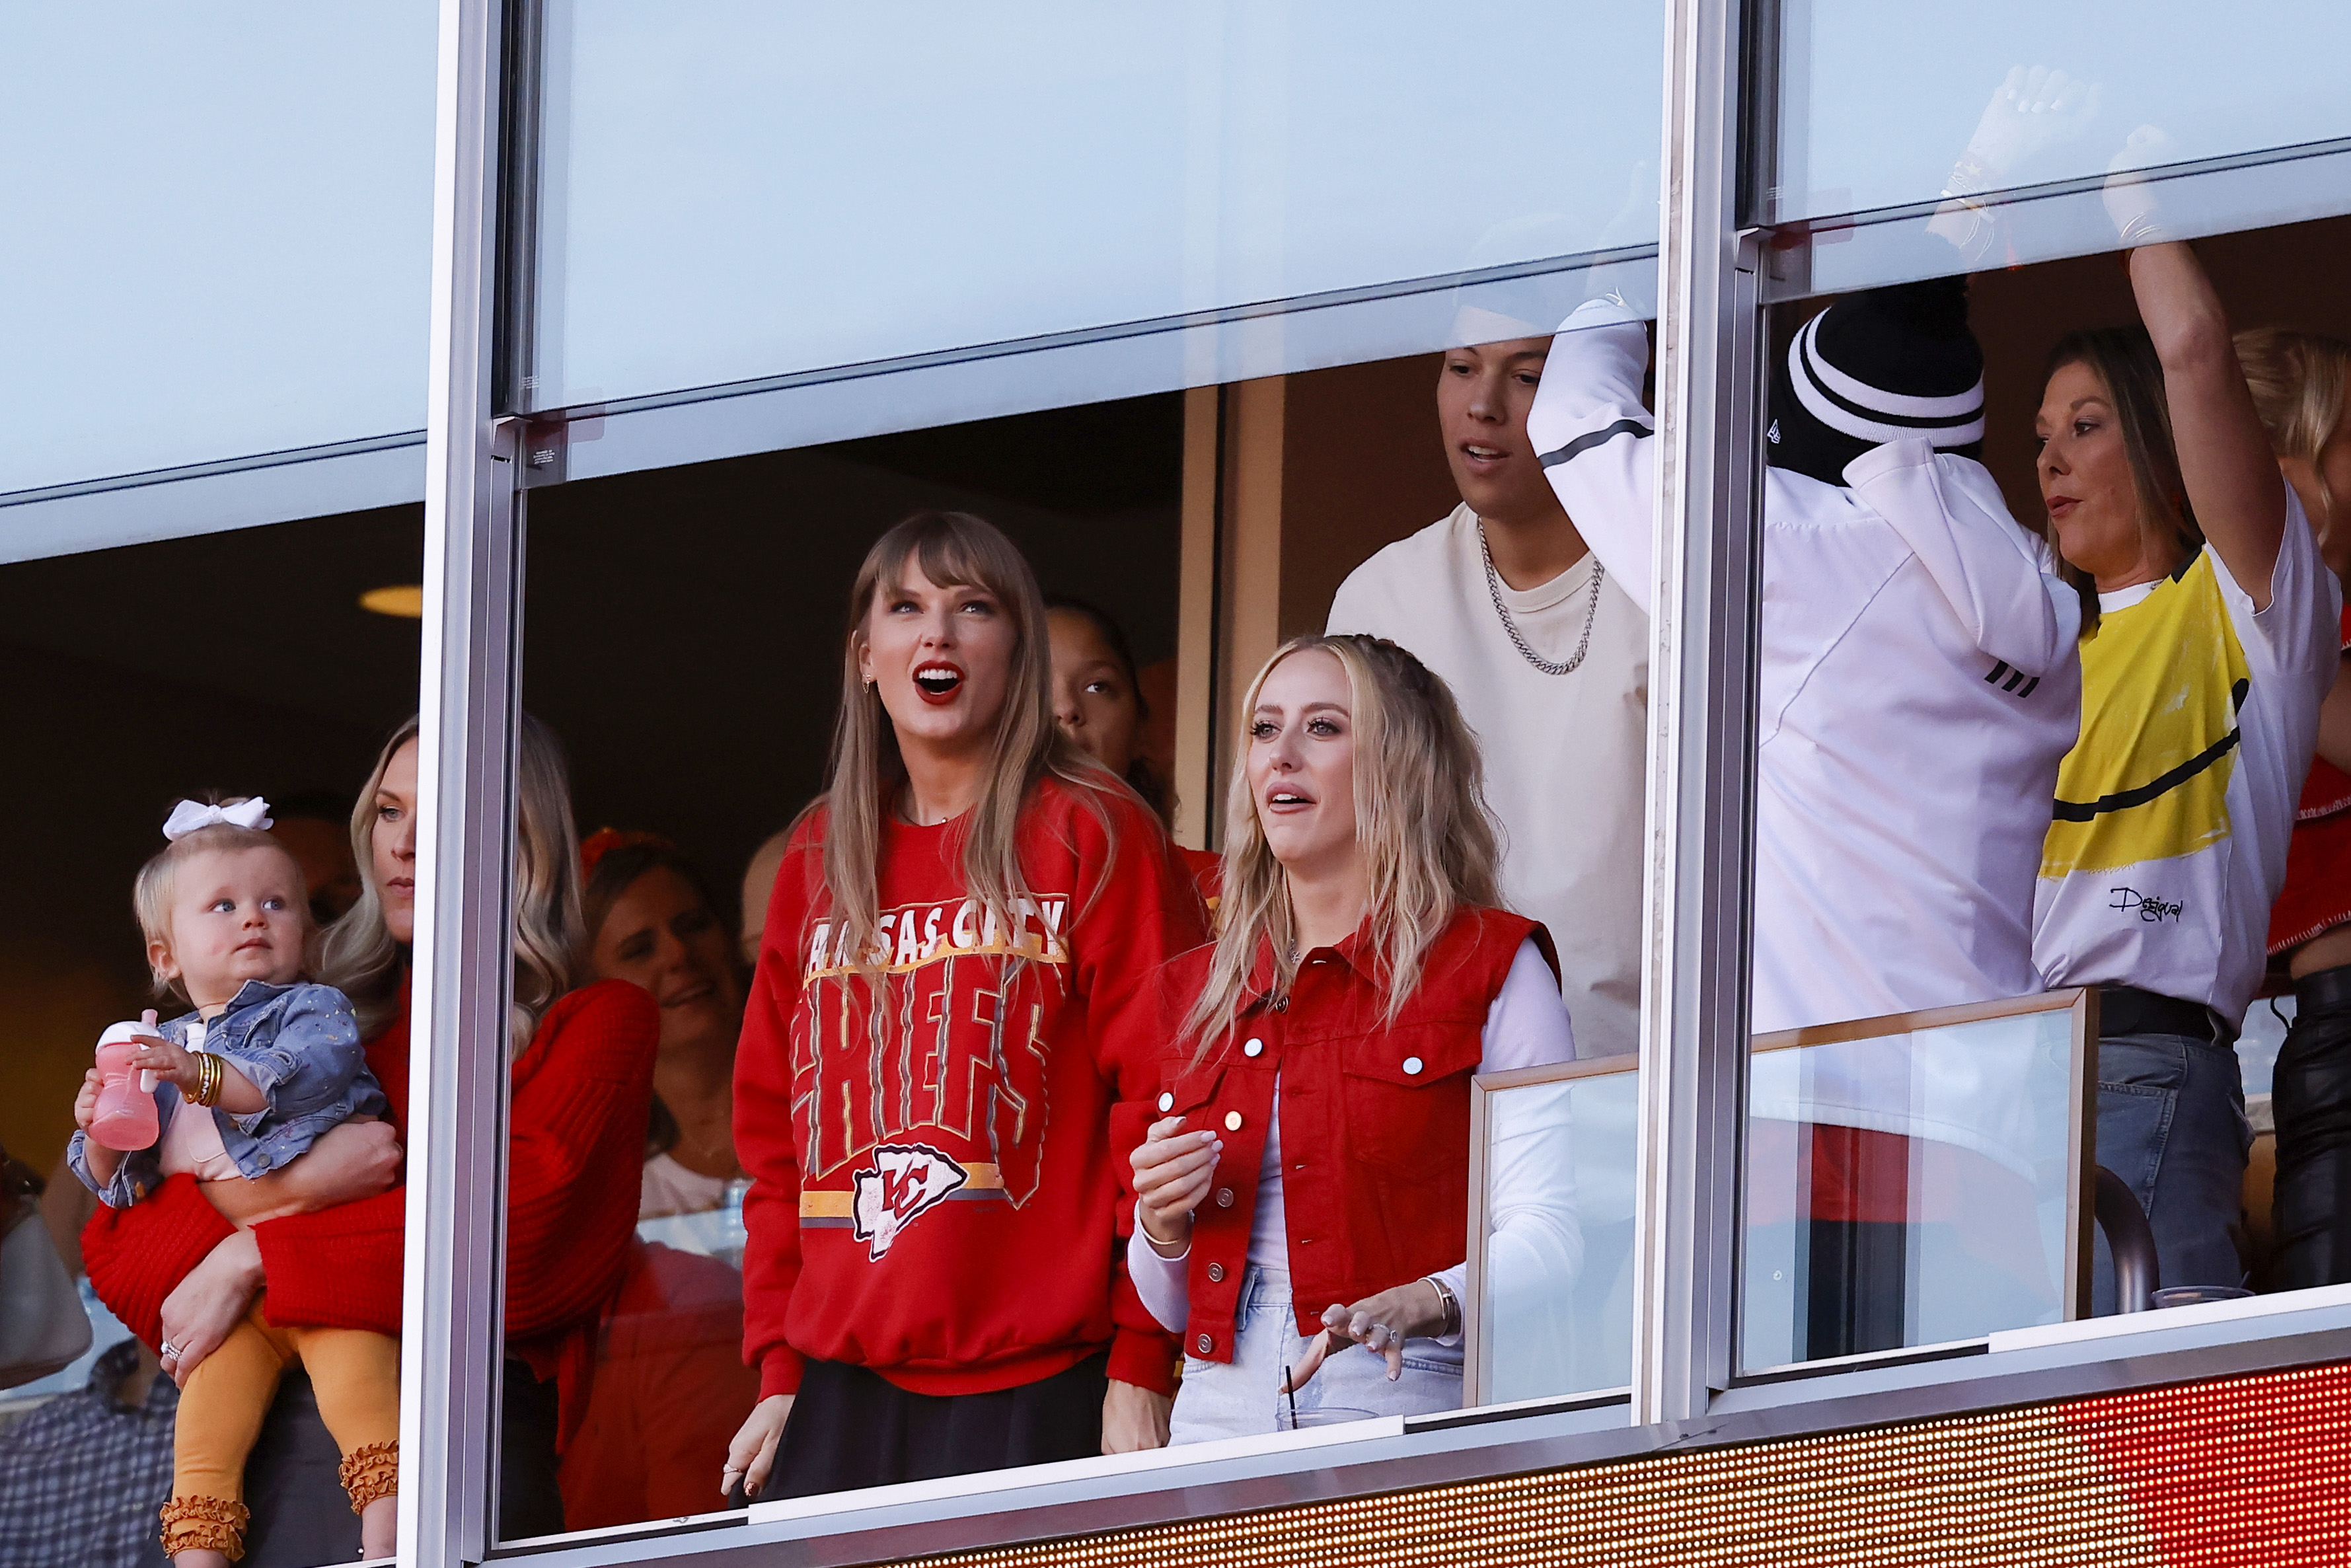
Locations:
{"points": [[1593, 436], [2224, 458], [1950, 512]]}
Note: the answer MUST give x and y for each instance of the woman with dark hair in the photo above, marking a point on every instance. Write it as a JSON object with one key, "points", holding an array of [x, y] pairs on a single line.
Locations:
{"points": [[581, 1058], [1098, 701], [653, 922], [951, 994], [2210, 633]]}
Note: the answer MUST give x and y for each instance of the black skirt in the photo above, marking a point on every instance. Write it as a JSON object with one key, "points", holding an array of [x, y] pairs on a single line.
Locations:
{"points": [[851, 1427]]}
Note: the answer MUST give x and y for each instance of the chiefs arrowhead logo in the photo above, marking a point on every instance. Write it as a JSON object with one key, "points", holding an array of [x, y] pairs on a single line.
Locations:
{"points": [[906, 1180]]}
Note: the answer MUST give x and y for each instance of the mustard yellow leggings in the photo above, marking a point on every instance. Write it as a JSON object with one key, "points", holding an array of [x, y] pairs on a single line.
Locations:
{"points": [[357, 1375]]}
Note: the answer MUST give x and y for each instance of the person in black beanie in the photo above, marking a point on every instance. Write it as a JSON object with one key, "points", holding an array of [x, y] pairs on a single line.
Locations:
{"points": [[1888, 365], [1920, 684]]}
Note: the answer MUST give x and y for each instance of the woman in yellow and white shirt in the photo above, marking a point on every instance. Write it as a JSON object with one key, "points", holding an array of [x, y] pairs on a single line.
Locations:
{"points": [[2210, 633]]}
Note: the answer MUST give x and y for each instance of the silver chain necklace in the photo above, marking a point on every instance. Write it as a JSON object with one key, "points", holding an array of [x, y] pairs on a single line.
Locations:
{"points": [[1518, 638]]}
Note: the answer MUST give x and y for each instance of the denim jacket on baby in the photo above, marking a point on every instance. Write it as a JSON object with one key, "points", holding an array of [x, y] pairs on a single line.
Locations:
{"points": [[299, 1045]]}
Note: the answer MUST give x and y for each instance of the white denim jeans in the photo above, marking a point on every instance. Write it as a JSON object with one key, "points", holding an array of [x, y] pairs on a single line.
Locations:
{"points": [[1243, 1397]]}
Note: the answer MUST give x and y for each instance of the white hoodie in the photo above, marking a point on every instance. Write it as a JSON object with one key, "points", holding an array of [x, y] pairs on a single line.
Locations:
{"points": [[1919, 685]]}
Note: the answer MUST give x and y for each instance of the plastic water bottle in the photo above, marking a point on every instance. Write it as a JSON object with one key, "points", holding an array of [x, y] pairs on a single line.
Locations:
{"points": [[126, 1101]]}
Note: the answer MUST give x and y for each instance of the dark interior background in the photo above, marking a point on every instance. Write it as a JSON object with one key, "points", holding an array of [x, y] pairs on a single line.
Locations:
{"points": [[685, 627]]}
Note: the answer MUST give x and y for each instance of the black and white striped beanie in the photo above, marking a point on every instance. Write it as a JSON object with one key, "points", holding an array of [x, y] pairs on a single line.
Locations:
{"points": [[1874, 367]]}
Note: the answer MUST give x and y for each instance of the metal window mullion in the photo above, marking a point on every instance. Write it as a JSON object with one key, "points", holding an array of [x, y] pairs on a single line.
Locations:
{"points": [[1702, 709], [450, 1342]]}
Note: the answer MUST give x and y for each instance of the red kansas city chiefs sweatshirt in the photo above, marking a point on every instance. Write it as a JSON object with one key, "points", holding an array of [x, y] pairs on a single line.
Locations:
{"points": [[934, 1196]]}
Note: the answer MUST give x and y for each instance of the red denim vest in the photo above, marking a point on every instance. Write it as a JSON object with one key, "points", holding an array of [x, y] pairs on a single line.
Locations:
{"points": [[1375, 1119]]}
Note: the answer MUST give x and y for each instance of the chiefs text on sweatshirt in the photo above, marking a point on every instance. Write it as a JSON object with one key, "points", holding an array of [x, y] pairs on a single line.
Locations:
{"points": [[934, 1192]]}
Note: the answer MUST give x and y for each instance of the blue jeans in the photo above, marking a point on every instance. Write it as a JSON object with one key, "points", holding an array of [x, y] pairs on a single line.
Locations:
{"points": [[2171, 1124], [1242, 1397]]}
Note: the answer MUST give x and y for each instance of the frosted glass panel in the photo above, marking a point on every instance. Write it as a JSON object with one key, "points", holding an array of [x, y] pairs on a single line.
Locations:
{"points": [[741, 190], [219, 230], [1881, 105], [1554, 1305], [1912, 1187]]}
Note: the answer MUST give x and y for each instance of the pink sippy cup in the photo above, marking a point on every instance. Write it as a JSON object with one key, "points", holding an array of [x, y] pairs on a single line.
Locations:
{"points": [[126, 1101]]}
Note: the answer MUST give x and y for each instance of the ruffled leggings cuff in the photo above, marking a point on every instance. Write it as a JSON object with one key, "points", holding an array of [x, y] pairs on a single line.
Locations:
{"points": [[204, 1524], [370, 1473]]}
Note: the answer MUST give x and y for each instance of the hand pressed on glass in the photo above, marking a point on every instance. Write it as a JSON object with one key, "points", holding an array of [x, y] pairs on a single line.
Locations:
{"points": [[1380, 1323], [1172, 1169]]}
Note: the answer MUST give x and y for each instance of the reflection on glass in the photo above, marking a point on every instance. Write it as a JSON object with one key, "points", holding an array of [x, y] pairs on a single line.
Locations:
{"points": [[1911, 1188], [1537, 1337], [224, 225], [670, 1384], [1883, 107], [733, 190]]}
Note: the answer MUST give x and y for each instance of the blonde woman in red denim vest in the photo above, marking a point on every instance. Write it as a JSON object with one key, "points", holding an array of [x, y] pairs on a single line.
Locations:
{"points": [[1304, 1190]]}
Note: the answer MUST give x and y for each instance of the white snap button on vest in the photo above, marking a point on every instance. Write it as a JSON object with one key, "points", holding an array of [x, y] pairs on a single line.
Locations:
{"points": [[1411, 1065], [1254, 1047], [1232, 1121], [1168, 1101]]}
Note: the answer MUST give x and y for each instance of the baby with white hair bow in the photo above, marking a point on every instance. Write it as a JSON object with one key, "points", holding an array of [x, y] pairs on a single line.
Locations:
{"points": [[243, 1085]]}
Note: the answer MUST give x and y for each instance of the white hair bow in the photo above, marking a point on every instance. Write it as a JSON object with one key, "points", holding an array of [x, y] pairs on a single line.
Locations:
{"points": [[189, 816]]}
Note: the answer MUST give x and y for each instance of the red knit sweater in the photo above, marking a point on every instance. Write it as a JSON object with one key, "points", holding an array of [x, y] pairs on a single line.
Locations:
{"points": [[933, 1192], [581, 1094]]}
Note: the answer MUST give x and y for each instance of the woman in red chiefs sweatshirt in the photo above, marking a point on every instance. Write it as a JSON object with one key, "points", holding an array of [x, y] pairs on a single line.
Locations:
{"points": [[1306, 1188], [952, 989], [174, 1268]]}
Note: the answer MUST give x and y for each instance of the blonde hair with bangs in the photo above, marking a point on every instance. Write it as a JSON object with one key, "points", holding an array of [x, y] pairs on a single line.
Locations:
{"points": [[151, 889], [1429, 843], [358, 955], [2300, 382], [952, 550]]}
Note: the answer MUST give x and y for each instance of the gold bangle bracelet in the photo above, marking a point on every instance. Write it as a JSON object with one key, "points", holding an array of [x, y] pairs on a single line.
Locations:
{"points": [[208, 1081]]}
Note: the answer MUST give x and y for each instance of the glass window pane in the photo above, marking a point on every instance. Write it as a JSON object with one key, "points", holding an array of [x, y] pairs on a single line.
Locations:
{"points": [[1555, 1290], [691, 674], [1911, 1186], [2212, 1144], [109, 731], [1884, 107], [220, 224], [740, 190]]}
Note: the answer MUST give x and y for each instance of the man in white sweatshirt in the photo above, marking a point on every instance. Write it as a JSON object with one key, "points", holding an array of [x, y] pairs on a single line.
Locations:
{"points": [[1919, 684], [1548, 657]]}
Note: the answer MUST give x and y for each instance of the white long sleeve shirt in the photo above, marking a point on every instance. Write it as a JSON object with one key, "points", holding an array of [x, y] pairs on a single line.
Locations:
{"points": [[1536, 1243], [1919, 685]]}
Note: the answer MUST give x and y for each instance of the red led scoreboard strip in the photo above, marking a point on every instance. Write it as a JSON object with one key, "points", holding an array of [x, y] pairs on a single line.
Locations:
{"points": [[2244, 1471]]}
